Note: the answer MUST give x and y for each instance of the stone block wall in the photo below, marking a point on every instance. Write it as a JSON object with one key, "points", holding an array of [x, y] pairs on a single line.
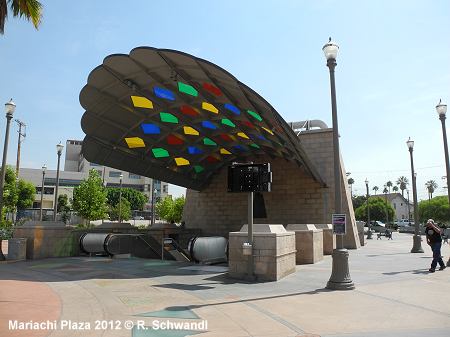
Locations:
{"points": [[295, 198]]}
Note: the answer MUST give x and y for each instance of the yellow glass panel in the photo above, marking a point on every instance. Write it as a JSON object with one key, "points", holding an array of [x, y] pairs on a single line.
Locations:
{"points": [[233, 138], [269, 131], [134, 142], [142, 102], [190, 131], [209, 107], [224, 151], [181, 161], [243, 135]]}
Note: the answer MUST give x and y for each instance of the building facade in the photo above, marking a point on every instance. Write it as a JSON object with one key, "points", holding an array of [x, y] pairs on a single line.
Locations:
{"points": [[76, 169], [403, 208]]}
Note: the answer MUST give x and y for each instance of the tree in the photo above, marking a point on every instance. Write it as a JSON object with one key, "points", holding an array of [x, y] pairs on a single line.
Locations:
{"points": [[124, 210], [358, 200], [431, 187], [402, 182], [170, 210], [64, 207], [389, 185], [385, 191], [89, 198], [436, 208], [395, 189], [10, 195], [26, 192], [378, 209], [351, 181], [31, 10], [375, 188], [136, 199]]}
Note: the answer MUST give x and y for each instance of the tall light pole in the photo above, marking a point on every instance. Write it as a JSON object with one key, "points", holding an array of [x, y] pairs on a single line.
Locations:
{"points": [[19, 142], [340, 276], [44, 168], [10, 107], [385, 191], [442, 110], [369, 231], [417, 245], [59, 149], [120, 198], [153, 189]]}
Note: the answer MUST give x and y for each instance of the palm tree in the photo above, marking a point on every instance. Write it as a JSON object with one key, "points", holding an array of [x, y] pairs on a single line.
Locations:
{"points": [[402, 182], [431, 187], [375, 188], [351, 181], [389, 184], [395, 189], [29, 9]]}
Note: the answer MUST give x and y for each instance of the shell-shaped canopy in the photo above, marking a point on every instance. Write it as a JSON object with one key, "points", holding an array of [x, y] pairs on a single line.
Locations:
{"points": [[172, 116]]}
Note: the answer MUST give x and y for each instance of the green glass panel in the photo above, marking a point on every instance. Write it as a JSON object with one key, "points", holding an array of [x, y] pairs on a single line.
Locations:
{"points": [[208, 141], [226, 121], [198, 168], [159, 152], [256, 146], [255, 115], [187, 89], [168, 118]]}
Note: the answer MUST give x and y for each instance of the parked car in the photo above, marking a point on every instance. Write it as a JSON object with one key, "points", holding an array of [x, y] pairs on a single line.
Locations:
{"points": [[138, 217], [404, 223], [377, 226]]}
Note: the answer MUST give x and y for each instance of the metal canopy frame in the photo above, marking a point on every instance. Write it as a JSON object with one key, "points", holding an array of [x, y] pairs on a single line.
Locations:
{"points": [[112, 120]]}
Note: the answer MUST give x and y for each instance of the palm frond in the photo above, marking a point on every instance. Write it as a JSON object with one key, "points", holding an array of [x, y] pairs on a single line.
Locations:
{"points": [[3, 15], [29, 9]]}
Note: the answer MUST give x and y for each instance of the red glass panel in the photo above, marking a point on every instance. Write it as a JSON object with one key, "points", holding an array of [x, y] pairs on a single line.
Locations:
{"points": [[189, 111], [174, 140], [226, 137], [211, 159], [212, 89], [248, 124]]}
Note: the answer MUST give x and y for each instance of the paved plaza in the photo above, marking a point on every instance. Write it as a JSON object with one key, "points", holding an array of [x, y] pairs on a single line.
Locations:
{"points": [[394, 296]]}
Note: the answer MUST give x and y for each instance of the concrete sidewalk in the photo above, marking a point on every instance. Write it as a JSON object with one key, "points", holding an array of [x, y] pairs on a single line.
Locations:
{"points": [[394, 296]]}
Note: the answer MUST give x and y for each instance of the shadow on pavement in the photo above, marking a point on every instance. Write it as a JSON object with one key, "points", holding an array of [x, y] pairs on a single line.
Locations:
{"points": [[414, 271]]}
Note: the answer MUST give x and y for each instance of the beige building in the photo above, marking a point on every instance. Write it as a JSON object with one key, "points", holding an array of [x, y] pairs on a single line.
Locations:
{"points": [[76, 169]]}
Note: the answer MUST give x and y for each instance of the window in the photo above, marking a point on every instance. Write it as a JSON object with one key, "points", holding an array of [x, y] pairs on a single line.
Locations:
{"points": [[165, 188], [47, 190], [134, 176], [395, 205], [401, 204], [114, 174], [94, 164]]}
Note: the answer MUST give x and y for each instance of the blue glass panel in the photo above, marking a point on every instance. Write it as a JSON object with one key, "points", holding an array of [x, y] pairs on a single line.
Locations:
{"points": [[262, 137], [194, 150], [150, 129], [209, 125], [232, 108], [239, 148], [164, 93]]}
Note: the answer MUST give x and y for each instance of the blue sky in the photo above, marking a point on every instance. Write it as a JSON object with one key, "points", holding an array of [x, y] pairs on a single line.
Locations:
{"points": [[393, 67]]}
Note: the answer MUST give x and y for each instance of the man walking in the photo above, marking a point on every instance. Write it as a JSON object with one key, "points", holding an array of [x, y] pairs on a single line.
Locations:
{"points": [[434, 239]]}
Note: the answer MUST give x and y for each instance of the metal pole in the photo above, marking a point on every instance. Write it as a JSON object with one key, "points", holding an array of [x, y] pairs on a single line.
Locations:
{"points": [[409, 211], [55, 210], [5, 153], [120, 201], [447, 167], [447, 163], [19, 142], [340, 276], [153, 202], [417, 245], [42, 195], [369, 231], [250, 235]]}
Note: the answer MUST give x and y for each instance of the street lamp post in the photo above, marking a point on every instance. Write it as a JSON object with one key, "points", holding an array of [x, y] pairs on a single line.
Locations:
{"points": [[120, 198], [10, 107], [340, 276], [153, 206], [59, 149], [442, 110], [44, 168], [417, 245], [369, 231]]}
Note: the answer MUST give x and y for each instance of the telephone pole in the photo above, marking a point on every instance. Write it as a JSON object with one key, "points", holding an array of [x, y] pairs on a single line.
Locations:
{"points": [[21, 138]]}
